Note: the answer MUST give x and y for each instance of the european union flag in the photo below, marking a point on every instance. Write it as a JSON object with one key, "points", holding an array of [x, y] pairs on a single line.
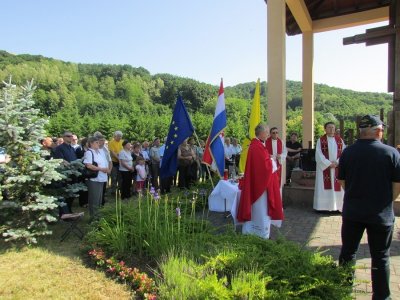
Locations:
{"points": [[181, 128]]}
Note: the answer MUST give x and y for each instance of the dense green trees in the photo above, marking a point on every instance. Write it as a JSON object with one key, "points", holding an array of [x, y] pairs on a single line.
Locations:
{"points": [[89, 97]]}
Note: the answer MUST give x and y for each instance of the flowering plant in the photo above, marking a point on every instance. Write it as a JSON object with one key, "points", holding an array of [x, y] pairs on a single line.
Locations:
{"points": [[138, 281]]}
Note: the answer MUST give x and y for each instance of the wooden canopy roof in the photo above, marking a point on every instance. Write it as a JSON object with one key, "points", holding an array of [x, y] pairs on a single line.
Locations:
{"points": [[323, 9]]}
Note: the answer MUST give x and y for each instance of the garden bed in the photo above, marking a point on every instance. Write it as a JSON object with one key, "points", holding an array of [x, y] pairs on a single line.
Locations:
{"points": [[190, 260]]}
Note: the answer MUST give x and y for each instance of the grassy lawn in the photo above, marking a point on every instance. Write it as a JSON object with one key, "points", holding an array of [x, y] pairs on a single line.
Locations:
{"points": [[235, 264], [54, 270]]}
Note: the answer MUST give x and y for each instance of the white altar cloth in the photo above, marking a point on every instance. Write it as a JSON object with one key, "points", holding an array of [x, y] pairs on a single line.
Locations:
{"points": [[224, 196]]}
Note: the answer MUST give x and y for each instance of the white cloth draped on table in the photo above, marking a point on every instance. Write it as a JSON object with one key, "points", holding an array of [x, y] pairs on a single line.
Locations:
{"points": [[223, 196]]}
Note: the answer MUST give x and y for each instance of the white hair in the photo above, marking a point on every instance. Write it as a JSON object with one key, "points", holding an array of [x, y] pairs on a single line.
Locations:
{"points": [[260, 128], [118, 133]]}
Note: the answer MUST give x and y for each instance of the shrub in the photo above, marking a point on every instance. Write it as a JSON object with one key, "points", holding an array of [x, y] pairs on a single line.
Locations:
{"points": [[24, 209], [249, 272], [195, 263]]}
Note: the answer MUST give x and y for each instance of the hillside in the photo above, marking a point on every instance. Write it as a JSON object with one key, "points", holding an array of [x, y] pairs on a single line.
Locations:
{"points": [[88, 97]]}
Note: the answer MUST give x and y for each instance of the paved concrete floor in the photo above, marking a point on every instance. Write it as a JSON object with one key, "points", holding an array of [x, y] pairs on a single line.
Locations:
{"points": [[322, 231]]}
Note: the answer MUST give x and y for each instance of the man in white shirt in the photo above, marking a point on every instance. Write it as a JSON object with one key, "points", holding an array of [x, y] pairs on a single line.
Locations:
{"points": [[102, 147], [74, 141], [155, 162], [229, 152], [277, 150], [237, 150]]}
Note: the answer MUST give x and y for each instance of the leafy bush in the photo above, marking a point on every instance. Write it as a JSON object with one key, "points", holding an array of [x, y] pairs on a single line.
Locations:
{"points": [[236, 275], [196, 263]]}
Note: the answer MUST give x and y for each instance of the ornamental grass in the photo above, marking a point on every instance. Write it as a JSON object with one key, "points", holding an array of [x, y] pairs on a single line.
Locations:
{"points": [[191, 261]]}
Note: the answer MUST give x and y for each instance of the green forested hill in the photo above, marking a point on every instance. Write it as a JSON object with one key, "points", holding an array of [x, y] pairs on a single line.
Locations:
{"points": [[89, 97]]}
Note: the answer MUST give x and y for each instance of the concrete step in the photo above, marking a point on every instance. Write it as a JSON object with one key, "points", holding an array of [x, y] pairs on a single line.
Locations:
{"points": [[298, 196]]}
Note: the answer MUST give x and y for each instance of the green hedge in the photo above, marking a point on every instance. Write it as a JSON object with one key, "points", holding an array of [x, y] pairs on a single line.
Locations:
{"points": [[196, 263]]}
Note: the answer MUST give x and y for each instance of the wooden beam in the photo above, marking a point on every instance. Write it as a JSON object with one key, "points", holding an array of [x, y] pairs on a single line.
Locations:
{"points": [[350, 20], [372, 36], [395, 20], [300, 13]]}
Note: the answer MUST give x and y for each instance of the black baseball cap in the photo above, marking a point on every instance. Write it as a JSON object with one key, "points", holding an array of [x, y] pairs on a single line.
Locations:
{"points": [[370, 121]]}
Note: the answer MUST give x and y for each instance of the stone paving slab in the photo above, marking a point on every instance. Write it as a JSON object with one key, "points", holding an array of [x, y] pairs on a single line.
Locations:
{"points": [[321, 231]]}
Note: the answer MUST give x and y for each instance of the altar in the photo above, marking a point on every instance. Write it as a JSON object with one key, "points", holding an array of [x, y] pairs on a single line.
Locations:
{"points": [[225, 195]]}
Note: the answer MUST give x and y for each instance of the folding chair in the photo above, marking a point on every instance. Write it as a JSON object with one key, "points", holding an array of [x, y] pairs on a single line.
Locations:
{"points": [[72, 220]]}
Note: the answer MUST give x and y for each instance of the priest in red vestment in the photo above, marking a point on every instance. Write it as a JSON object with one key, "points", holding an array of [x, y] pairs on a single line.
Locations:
{"points": [[260, 201]]}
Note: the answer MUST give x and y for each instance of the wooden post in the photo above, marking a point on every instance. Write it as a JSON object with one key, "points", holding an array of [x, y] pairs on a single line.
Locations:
{"points": [[341, 127], [351, 136], [358, 119], [390, 129], [395, 21]]}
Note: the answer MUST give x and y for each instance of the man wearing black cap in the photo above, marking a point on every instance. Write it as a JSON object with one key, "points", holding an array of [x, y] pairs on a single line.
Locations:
{"points": [[369, 172]]}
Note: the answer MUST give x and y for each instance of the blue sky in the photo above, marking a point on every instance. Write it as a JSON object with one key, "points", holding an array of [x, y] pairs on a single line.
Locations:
{"points": [[204, 40]]}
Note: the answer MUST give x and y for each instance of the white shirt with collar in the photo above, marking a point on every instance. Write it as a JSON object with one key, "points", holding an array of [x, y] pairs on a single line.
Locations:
{"points": [[228, 151], [275, 151], [237, 149], [100, 158]]}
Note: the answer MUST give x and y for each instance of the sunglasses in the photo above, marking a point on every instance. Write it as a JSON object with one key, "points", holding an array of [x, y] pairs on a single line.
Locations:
{"points": [[274, 132], [67, 135]]}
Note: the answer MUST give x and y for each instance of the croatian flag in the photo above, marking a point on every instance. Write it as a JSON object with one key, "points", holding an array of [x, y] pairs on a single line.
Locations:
{"points": [[214, 149]]}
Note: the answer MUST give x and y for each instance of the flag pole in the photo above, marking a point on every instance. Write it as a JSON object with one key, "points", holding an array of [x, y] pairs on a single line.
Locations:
{"points": [[208, 169]]}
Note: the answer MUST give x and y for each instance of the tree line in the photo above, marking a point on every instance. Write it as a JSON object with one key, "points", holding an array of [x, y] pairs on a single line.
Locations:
{"points": [[85, 98]]}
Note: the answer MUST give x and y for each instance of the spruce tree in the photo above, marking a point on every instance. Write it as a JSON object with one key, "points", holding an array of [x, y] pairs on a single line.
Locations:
{"points": [[25, 210]]}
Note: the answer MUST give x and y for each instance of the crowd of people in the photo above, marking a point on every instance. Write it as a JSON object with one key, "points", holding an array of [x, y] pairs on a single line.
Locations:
{"points": [[128, 167], [360, 181]]}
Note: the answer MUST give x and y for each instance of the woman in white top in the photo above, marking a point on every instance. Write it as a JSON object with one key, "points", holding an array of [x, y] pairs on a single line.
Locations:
{"points": [[126, 169], [95, 185]]}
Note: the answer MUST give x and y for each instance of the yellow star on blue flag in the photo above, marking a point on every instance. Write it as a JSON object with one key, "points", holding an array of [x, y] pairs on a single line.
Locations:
{"points": [[180, 128]]}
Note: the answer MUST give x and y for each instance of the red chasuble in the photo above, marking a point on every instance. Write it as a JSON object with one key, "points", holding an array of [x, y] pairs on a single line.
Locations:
{"points": [[258, 177], [327, 172]]}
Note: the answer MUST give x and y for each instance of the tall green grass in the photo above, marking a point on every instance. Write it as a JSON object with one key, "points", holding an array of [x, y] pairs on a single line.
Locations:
{"points": [[196, 263], [150, 226]]}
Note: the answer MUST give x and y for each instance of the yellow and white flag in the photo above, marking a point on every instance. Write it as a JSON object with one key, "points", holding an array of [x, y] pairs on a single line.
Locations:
{"points": [[255, 119]]}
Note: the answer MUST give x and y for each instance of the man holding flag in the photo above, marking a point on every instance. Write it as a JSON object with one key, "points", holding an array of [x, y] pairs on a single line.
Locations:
{"points": [[214, 150], [180, 128]]}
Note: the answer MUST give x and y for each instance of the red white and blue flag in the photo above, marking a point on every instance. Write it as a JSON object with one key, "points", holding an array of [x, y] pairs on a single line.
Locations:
{"points": [[214, 149]]}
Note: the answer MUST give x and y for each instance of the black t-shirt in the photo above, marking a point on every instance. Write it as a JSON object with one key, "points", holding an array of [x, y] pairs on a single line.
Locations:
{"points": [[294, 146], [369, 168]]}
